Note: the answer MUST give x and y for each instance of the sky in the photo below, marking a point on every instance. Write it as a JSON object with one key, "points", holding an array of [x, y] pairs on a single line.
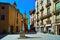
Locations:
{"points": [[23, 5]]}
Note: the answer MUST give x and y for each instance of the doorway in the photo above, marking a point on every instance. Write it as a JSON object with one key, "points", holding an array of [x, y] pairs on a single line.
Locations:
{"points": [[59, 31], [11, 29], [17, 29], [42, 29], [47, 29]]}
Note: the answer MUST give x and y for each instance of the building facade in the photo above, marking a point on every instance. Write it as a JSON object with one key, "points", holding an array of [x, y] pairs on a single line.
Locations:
{"points": [[32, 20], [25, 22], [48, 14], [32, 17], [10, 18]]}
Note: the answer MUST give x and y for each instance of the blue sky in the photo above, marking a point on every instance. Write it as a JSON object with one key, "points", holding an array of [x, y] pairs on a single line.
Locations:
{"points": [[23, 5]]}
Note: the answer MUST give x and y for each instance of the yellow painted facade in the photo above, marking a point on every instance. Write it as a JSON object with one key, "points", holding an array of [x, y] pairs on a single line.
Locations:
{"points": [[10, 18]]}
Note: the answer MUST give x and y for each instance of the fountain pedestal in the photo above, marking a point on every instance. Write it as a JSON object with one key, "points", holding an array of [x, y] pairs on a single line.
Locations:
{"points": [[22, 31]]}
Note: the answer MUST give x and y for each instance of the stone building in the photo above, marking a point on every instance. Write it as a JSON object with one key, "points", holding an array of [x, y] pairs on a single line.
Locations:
{"points": [[25, 22], [10, 18], [32, 20], [48, 14]]}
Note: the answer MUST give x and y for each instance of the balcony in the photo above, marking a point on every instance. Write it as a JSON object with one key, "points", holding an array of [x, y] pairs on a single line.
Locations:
{"points": [[56, 12], [41, 8], [37, 20], [46, 16], [48, 4], [54, 0], [37, 12], [48, 21], [32, 12], [57, 20], [41, 1], [32, 23], [41, 18], [41, 22]]}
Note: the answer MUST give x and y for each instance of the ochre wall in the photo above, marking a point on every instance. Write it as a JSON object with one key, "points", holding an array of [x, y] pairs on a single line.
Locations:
{"points": [[5, 12]]}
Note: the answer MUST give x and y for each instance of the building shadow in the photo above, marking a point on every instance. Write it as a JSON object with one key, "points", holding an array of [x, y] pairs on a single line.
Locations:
{"points": [[26, 37], [2, 35]]}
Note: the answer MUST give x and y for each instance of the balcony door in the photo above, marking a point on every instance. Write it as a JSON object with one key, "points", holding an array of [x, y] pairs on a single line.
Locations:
{"points": [[17, 29]]}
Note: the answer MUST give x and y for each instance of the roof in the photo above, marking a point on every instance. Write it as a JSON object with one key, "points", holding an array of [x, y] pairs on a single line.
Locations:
{"points": [[32, 12]]}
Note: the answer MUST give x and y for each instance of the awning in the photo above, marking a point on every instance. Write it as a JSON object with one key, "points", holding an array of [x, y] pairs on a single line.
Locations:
{"points": [[48, 25], [51, 29]]}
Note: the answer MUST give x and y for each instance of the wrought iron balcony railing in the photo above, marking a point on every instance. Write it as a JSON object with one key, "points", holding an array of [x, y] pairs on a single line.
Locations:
{"points": [[37, 20], [57, 20], [48, 21], [46, 16], [56, 12]]}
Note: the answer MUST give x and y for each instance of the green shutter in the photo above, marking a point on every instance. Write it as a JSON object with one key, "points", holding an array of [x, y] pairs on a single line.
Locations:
{"points": [[58, 6]]}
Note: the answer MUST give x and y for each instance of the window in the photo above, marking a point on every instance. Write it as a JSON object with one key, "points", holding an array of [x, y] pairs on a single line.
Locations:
{"points": [[48, 10], [41, 8], [37, 4], [17, 14], [48, 21], [58, 16], [17, 21], [48, 1], [37, 12], [37, 23], [37, 20], [41, 2], [41, 22], [2, 7], [16, 28], [58, 6], [2, 17], [11, 29]]}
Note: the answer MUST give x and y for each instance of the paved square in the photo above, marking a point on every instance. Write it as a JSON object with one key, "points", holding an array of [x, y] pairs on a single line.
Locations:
{"points": [[38, 36]]}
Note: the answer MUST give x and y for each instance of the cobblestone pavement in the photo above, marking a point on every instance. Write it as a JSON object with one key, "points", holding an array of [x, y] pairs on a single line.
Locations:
{"points": [[38, 36]]}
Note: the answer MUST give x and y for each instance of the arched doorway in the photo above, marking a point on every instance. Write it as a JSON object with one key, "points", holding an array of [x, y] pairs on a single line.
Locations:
{"points": [[17, 29]]}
